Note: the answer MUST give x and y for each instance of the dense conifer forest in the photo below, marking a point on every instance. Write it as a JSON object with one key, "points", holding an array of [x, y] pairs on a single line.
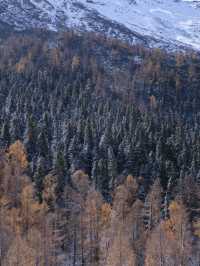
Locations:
{"points": [[100, 152]]}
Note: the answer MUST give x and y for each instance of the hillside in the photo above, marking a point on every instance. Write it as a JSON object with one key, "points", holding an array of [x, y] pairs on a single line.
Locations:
{"points": [[100, 152]]}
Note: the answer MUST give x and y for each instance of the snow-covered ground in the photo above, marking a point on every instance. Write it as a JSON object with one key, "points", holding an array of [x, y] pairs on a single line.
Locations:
{"points": [[168, 21]]}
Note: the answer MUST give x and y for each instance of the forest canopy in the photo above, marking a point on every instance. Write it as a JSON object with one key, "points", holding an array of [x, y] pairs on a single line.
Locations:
{"points": [[100, 152]]}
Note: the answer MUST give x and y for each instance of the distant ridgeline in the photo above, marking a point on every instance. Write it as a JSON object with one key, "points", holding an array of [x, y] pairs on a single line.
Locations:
{"points": [[98, 105]]}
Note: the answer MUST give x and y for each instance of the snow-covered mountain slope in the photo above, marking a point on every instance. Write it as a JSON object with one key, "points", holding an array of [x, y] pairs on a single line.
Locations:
{"points": [[153, 22]]}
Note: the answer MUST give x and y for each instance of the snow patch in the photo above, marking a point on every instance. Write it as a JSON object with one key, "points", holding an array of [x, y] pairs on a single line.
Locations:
{"points": [[168, 21]]}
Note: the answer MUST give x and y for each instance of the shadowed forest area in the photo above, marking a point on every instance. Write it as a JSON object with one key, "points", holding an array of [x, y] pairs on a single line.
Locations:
{"points": [[100, 153]]}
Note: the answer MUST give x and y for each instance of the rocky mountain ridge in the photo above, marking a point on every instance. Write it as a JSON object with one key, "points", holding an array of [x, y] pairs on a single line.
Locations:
{"points": [[156, 23]]}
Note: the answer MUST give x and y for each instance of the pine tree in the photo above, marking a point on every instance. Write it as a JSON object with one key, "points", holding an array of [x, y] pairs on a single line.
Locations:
{"points": [[5, 135], [112, 167]]}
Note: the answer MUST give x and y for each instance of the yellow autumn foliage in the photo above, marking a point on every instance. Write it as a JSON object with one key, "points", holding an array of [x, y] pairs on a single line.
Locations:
{"points": [[21, 65], [105, 213], [20, 253], [129, 180], [168, 228], [17, 151], [174, 209]]}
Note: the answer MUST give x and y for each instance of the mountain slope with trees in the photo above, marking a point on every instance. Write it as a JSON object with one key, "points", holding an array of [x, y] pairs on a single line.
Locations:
{"points": [[110, 154], [87, 230]]}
